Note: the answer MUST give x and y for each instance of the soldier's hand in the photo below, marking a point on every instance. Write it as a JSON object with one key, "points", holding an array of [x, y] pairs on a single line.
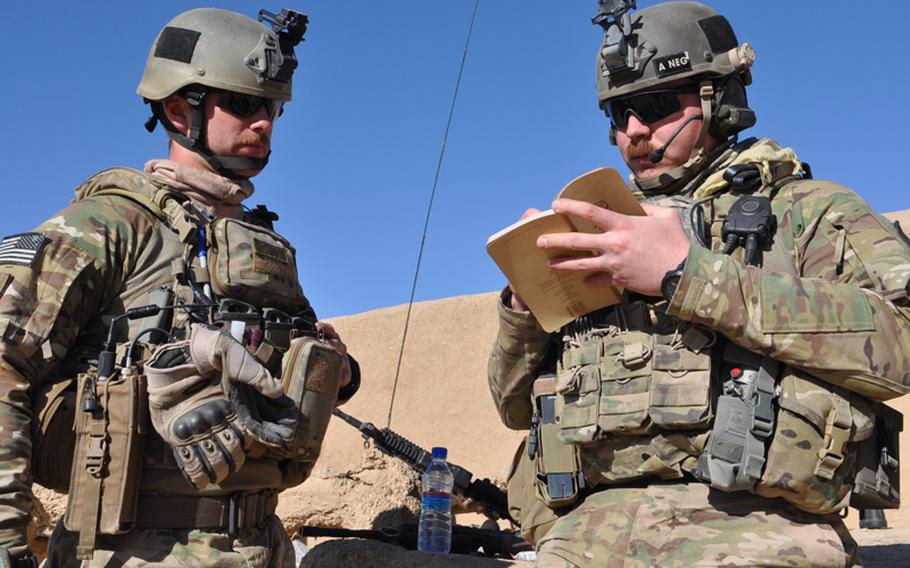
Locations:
{"points": [[632, 252], [328, 333], [210, 400]]}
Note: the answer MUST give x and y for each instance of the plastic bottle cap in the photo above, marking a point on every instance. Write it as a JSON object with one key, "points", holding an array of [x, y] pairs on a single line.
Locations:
{"points": [[440, 453]]}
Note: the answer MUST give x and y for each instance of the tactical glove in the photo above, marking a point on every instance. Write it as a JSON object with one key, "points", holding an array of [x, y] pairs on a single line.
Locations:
{"points": [[210, 400]]}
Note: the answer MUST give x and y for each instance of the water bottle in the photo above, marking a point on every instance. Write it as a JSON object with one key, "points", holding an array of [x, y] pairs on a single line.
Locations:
{"points": [[434, 533]]}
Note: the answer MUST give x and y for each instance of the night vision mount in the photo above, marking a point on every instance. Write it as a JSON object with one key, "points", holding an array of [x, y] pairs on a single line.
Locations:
{"points": [[289, 26], [618, 52]]}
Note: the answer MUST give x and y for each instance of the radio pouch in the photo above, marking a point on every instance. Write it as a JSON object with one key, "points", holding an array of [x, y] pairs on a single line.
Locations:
{"points": [[877, 481], [111, 425], [559, 476]]}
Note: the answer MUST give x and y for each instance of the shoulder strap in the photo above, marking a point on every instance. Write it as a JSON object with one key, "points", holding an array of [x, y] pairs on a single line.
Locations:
{"points": [[139, 198], [151, 194]]}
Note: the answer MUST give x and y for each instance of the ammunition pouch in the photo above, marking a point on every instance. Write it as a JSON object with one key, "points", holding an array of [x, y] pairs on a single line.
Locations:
{"points": [[252, 264], [633, 380], [311, 377], [53, 437], [107, 463], [877, 481]]}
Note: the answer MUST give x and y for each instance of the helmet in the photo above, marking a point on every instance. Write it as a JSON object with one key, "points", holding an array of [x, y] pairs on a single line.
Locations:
{"points": [[665, 43], [668, 42], [207, 49]]}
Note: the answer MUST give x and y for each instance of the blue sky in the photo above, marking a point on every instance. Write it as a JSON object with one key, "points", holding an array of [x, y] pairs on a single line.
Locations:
{"points": [[355, 153]]}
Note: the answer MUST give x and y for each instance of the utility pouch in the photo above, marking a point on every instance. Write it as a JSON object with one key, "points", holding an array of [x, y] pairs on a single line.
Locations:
{"points": [[811, 457], [877, 481], [559, 478], [53, 438], [111, 425], [252, 264], [311, 376]]}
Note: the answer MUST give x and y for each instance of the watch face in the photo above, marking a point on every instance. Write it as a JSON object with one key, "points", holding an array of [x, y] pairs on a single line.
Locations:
{"points": [[671, 280], [670, 283]]}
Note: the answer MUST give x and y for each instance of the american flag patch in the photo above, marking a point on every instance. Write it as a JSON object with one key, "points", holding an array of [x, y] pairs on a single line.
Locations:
{"points": [[21, 249]]}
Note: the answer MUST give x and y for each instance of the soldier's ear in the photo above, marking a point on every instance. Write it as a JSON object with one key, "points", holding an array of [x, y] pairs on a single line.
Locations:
{"points": [[178, 112]]}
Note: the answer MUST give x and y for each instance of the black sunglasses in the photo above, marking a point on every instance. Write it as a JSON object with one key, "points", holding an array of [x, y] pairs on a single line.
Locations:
{"points": [[649, 107], [246, 106]]}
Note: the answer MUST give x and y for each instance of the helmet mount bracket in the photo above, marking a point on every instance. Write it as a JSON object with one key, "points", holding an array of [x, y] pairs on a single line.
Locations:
{"points": [[618, 53]]}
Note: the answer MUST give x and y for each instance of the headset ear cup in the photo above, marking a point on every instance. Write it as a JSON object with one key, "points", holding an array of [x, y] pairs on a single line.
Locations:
{"points": [[731, 112]]}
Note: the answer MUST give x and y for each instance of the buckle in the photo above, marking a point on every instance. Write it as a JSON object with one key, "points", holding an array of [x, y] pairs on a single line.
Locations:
{"points": [[706, 91], [532, 437], [96, 451], [236, 512], [634, 355], [837, 434], [763, 413]]}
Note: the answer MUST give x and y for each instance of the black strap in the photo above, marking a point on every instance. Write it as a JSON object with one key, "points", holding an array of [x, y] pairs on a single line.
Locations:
{"points": [[239, 511]]}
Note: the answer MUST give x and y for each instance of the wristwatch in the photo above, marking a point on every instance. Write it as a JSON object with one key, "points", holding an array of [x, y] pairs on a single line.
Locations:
{"points": [[671, 281]]}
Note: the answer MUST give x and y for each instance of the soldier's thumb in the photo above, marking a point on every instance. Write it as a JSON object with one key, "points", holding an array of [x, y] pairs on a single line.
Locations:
{"points": [[214, 350]]}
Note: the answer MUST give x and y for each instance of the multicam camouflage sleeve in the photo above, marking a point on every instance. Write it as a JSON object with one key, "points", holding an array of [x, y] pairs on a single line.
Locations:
{"points": [[846, 319], [47, 296], [520, 349]]}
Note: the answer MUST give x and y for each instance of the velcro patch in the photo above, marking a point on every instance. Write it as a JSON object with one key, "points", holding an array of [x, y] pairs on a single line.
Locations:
{"points": [[177, 44], [21, 249], [672, 64]]}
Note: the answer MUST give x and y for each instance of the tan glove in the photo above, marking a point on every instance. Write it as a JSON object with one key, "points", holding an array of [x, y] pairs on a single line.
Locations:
{"points": [[210, 400]]}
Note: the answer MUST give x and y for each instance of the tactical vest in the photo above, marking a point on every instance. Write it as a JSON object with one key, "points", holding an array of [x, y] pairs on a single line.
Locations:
{"points": [[232, 270], [639, 395]]}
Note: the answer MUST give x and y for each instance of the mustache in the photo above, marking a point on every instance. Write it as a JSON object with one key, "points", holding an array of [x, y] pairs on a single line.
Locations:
{"points": [[640, 148], [252, 138]]}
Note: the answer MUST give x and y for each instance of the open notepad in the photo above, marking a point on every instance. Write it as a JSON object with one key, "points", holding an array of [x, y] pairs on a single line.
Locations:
{"points": [[556, 298]]}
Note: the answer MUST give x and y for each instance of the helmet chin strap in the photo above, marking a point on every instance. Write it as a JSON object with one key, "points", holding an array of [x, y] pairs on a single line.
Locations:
{"points": [[697, 157], [194, 140]]}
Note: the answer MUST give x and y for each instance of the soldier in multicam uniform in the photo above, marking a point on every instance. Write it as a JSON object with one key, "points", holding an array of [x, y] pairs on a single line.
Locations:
{"points": [[721, 415], [177, 461]]}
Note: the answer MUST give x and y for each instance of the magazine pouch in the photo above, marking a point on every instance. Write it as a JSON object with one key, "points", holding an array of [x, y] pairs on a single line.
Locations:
{"points": [[111, 425]]}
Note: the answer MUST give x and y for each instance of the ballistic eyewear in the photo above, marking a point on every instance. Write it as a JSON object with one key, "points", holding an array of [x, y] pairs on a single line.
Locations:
{"points": [[648, 107], [246, 106]]}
